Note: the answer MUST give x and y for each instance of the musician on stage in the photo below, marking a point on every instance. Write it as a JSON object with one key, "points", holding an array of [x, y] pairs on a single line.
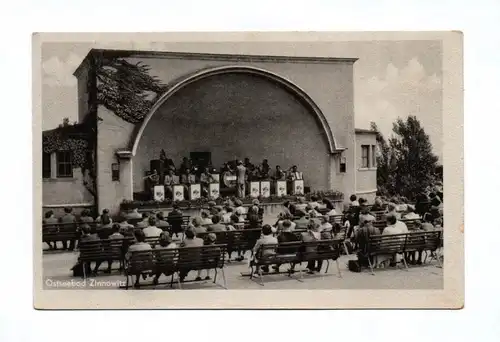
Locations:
{"points": [[205, 179], [153, 179], [264, 170], [170, 180], [248, 164], [295, 174], [185, 166], [241, 179], [279, 174], [187, 178]]}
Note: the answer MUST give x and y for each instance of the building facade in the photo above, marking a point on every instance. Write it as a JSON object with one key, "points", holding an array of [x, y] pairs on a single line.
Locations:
{"points": [[289, 110]]}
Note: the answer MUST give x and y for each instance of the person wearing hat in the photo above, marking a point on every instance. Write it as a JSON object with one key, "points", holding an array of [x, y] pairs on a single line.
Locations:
{"points": [[241, 179]]}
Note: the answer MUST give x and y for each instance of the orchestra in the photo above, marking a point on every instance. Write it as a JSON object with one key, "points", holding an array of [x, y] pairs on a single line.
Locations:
{"points": [[234, 175]]}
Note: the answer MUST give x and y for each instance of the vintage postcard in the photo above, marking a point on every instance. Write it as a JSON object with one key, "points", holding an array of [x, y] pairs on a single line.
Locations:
{"points": [[248, 170]]}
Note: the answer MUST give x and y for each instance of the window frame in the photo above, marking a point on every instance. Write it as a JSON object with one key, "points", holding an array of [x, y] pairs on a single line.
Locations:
{"points": [[374, 156], [46, 165], [367, 157], [66, 163]]}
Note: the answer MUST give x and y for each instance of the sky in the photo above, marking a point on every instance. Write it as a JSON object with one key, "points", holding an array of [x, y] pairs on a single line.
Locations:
{"points": [[391, 78]]}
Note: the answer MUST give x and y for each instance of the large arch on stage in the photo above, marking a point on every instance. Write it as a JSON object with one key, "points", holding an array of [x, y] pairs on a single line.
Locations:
{"points": [[234, 112]]}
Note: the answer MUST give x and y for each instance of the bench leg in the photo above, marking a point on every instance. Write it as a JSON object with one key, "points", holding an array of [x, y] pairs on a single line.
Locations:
{"points": [[172, 280], [179, 281], [84, 265], [327, 266], [438, 259], [261, 276], [345, 248], [126, 282], [371, 265], [224, 278], [404, 263], [338, 268], [215, 276]]}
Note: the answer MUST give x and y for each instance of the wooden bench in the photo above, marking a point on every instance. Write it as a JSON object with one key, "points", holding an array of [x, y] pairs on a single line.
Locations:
{"points": [[379, 215], [53, 232], [175, 261], [428, 241], [236, 240], [108, 250], [178, 224], [294, 253]]}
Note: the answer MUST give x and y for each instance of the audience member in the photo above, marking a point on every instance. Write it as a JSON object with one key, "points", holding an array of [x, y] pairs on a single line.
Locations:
{"points": [[68, 218], [165, 259], [267, 238], [303, 221], [160, 221], [216, 226], [313, 234], [361, 238], [85, 216], [286, 235], [330, 206], [301, 204], [378, 205], [365, 215], [133, 215], [392, 210], [411, 215], [325, 225], [253, 217], [205, 218], [144, 223], [354, 201], [196, 225], [139, 245], [105, 212], [175, 219], [50, 219], [152, 230], [190, 240], [226, 217], [115, 232]]}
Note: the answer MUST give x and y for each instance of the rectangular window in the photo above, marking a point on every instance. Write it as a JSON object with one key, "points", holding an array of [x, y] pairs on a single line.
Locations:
{"points": [[365, 156], [374, 155], [64, 165], [46, 170]]}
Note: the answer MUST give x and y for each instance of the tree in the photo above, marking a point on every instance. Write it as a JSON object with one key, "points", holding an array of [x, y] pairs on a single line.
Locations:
{"points": [[126, 89], [414, 162], [383, 160]]}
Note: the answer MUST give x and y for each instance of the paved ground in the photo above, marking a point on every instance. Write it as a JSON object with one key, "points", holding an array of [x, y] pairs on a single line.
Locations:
{"points": [[57, 274]]}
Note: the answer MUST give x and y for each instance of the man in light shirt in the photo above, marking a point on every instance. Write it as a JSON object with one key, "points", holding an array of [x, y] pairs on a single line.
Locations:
{"points": [[241, 179], [152, 230]]}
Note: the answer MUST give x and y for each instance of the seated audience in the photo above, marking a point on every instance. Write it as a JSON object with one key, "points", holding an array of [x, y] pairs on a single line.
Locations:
{"points": [[139, 245], [144, 223], [68, 218], [267, 238], [286, 235], [212, 208], [210, 258], [104, 228], [361, 238], [226, 217], [165, 242], [235, 223], [190, 240], [301, 204], [427, 224], [124, 225], [205, 218], [105, 212], [354, 201], [314, 202], [303, 221], [115, 232], [85, 216], [411, 215], [88, 234], [392, 210], [325, 225], [393, 228], [133, 215], [216, 226], [378, 205], [313, 234], [240, 209], [196, 225], [160, 221], [365, 215], [253, 217], [330, 206], [286, 208], [152, 230], [50, 219]]}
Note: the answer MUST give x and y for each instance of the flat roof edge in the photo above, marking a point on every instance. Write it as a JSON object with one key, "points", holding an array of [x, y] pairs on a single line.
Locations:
{"points": [[215, 56]]}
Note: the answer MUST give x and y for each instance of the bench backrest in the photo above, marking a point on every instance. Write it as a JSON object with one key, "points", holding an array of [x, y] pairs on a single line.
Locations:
{"points": [[336, 218], [109, 249], [411, 223], [305, 251], [379, 215], [386, 244], [175, 259]]}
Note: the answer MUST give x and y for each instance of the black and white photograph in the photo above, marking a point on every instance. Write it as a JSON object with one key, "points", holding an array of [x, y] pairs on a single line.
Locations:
{"points": [[180, 167]]}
